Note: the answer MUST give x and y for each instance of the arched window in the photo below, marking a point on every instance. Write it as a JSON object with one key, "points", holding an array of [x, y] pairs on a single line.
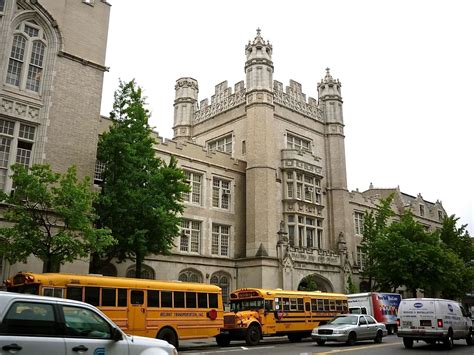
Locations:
{"points": [[190, 275], [26, 63], [147, 272], [109, 270], [223, 281]]}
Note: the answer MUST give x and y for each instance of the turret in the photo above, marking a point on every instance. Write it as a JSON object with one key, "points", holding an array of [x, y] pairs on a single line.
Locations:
{"points": [[185, 105], [259, 64], [329, 92]]}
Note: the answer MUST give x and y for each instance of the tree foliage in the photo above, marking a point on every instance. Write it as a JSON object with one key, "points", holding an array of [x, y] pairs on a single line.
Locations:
{"points": [[51, 216], [375, 227], [141, 196], [406, 254]]}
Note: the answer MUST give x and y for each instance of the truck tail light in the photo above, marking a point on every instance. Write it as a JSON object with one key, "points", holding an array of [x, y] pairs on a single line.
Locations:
{"points": [[398, 322], [440, 323]]}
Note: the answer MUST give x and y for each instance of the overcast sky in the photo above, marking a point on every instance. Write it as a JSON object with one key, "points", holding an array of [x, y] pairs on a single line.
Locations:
{"points": [[406, 67]]}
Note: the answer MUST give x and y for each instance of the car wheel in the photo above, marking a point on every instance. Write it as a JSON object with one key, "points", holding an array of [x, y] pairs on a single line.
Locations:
{"points": [[223, 340], [378, 337], [408, 343], [169, 335], [469, 339], [351, 339], [321, 342], [449, 341], [253, 335]]}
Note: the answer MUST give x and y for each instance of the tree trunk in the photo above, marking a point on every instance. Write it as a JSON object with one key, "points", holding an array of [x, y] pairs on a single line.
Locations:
{"points": [[50, 265], [138, 267], [414, 293]]}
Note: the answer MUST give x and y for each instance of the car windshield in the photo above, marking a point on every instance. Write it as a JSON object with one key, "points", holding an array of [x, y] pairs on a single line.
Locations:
{"points": [[246, 305], [344, 320]]}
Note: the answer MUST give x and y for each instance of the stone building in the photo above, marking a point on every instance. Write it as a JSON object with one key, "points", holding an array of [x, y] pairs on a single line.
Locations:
{"points": [[269, 205], [52, 56]]}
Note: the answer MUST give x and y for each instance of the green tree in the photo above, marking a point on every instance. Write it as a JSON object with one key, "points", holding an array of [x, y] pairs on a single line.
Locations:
{"points": [[457, 239], [375, 227], [51, 217], [350, 287], [141, 196]]}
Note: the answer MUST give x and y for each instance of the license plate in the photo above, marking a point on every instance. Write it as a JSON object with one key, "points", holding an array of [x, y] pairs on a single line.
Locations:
{"points": [[407, 324], [322, 338]]}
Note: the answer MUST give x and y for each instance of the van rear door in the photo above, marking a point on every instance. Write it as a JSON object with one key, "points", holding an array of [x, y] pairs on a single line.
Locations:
{"points": [[418, 314]]}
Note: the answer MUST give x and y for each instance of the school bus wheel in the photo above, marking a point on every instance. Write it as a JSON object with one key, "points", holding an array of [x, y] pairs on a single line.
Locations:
{"points": [[169, 335], [253, 335], [223, 340]]}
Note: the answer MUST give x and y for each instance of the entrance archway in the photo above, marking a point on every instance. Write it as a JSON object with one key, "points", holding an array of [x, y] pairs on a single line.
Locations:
{"points": [[315, 282]]}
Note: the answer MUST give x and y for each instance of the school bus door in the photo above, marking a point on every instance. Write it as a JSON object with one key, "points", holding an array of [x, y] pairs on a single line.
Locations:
{"points": [[268, 317], [137, 312]]}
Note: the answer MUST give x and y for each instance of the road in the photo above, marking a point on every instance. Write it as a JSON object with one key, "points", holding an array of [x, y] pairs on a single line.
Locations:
{"points": [[280, 346]]}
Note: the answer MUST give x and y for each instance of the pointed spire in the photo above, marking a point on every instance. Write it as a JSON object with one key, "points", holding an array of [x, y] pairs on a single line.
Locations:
{"points": [[328, 76]]}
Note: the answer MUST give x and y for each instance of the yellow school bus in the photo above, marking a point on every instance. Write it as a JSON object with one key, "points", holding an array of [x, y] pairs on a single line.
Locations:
{"points": [[256, 313], [159, 309]]}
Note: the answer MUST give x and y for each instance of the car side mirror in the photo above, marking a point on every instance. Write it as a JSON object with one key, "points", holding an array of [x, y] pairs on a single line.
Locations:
{"points": [[116, 334]]}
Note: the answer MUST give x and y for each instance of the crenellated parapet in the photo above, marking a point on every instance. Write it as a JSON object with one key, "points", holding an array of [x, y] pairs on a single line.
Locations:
{"points": [[190, 151], [294, 99], [223, 99]]}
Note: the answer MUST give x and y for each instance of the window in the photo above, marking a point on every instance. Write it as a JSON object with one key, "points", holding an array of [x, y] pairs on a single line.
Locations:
{"points": [[293, 142], [306, 187], [85, 323], [92, 295], [190, 237], [422, 210], [108, 297], [153, 298], [220, 240], [25, 66], [2, 5], [74, 293], [166, 299], [29, 318], [179, 299], [14, 136], [220, 193], [195, 182], [191, 300], [303, 233], [53, 292], [440, 216], [146, 273], [223, 144], [359, 223], [190, 276], [98, 171], [202, 300], [359, 257], [223, 282]]}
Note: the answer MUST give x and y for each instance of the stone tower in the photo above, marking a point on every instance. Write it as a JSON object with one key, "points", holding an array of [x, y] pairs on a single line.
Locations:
{"points": [[262, 157], [330, 101], [185, 104]]}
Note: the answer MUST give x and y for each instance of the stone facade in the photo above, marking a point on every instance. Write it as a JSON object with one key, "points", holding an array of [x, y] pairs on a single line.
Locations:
{"points": [[52, 64], [269, 205]]}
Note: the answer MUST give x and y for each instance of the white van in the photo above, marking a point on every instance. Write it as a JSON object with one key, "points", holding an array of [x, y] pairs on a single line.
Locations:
{"points": [[432, 320]]}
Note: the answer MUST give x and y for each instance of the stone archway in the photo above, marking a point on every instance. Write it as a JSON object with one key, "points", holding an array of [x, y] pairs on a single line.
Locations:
{"points": [[315, 282]]}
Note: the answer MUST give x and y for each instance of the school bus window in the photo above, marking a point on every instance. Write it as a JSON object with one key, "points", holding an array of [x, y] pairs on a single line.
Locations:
{"points": [[74, 293], [202, 300], [293, 304], [213, 300], [300, 304], [339, 306], [122, 297], [108, 296], [332, 304], [166, 299], [179, 299], [92, 295], [314, 306], [286, 304], [268, 305], [321, 306], [153, 298], [136, 297], [190, 299]]}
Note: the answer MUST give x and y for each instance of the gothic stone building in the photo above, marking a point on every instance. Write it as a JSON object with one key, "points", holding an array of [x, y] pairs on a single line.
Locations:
{"points": [[269, 205], [52, 56]]}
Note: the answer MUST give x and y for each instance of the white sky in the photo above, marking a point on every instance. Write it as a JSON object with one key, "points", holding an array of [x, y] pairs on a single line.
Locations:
{"points": [[406, 67]]}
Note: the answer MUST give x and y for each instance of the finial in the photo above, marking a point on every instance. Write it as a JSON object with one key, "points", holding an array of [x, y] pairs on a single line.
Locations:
{"points": [[327, 70], [258, 31]]}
